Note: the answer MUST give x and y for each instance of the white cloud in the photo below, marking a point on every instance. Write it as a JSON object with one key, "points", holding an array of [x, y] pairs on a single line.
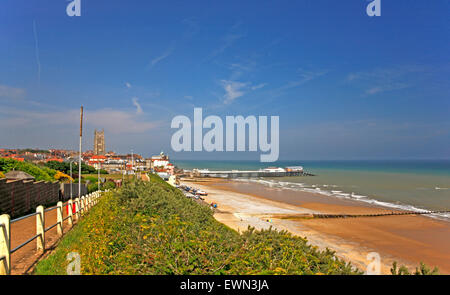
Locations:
{"points": [[112, 120], [385, 73], [164, 55], [233, 90], [305, 76], [137, 105], [128, 85], [236, 89], [11, 92], [259, 86], [385, 79], [227, 41], [118, 121], [386, 87]]}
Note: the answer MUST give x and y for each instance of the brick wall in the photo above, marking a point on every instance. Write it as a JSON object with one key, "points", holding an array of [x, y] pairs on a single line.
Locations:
{"points": [[20, 197]]}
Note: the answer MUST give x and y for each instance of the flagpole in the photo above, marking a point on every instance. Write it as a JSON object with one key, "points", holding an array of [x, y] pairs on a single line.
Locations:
{"points": [[79, 158]]}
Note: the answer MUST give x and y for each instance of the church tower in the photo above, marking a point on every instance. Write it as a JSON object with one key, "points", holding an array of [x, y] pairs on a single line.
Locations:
{"points": [[99, 142]]}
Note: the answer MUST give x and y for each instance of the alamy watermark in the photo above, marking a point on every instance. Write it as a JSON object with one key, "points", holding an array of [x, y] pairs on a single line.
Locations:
{"points": [[374, 8], [74, 266], [213, 140], [74, 8], [374, 266]]}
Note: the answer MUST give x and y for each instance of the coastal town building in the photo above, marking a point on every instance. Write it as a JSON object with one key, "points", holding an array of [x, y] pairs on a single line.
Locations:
{"points": [[36, 156], [97, 161], [170, 168], [114, 163], [160, 161], [54, 160], [109, 161]]}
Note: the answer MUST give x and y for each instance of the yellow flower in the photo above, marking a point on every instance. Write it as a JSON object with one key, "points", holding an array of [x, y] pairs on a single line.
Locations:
{"points": [[61, 176]]}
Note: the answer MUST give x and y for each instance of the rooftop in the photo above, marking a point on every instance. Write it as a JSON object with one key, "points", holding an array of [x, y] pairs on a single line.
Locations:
{"points": [[18, 175]]}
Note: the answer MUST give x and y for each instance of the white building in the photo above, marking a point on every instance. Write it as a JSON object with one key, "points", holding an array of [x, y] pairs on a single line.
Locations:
{"points": [[160, 161], [274, 169]]}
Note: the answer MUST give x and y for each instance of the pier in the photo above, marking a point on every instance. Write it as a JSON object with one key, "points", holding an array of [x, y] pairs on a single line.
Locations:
{"points": [[248, 174]]}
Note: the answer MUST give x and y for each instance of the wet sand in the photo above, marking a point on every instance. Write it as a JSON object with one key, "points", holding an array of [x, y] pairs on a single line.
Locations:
{"points": [[408, 240]]}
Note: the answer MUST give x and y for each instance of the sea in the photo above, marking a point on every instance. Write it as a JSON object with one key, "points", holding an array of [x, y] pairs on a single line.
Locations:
{"points": [[416, 185]]}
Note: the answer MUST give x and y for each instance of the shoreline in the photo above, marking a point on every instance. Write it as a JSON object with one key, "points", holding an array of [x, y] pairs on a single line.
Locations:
{"points": [[405, 239]]}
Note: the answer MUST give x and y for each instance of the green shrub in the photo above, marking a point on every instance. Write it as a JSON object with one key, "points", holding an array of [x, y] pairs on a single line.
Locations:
{"points": [[38, 172], [108, 185], [49, 171], [421, 270], [65, 167], [92, 187], [89, 178]]}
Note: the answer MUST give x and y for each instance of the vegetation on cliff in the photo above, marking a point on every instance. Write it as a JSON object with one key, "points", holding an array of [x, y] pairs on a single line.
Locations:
{"points": [[39, 173], [151, 228], [65, 167], [51, 171]]}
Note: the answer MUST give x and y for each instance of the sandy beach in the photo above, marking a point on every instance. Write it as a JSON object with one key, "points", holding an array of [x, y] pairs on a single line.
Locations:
{"points": [[408, 239]]}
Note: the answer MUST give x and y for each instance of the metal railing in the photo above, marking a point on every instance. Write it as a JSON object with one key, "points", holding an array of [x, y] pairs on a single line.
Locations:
{"points": [[82, 205]]}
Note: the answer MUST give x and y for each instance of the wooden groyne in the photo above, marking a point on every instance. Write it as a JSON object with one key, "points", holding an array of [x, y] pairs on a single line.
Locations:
{"points": [[377, 215]]}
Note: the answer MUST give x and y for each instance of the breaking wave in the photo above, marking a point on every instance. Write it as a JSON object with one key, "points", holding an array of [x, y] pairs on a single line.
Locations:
{"points": [[343, 195]]}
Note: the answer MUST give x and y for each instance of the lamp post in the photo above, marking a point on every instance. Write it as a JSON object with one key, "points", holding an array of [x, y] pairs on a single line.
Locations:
{"points": [[99, 167], [132, 164], [71, 184]]}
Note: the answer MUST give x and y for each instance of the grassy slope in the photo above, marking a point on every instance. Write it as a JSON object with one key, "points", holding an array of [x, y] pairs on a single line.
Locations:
{"points": [[151, 228]]}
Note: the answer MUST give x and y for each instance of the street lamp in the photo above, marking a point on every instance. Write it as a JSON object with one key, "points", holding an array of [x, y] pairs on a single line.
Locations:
{"points": [[71, 184], [132, 163], [99, 167]]}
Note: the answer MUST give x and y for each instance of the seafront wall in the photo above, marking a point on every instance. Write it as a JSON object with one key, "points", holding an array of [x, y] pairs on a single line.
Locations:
{"points": [[21, 196]]}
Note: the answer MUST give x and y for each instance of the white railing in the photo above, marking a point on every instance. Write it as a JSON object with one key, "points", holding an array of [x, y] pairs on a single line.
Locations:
{"points": [[82, 205]]}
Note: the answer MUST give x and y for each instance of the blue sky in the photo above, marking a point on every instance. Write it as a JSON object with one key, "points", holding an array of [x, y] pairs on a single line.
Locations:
{"points": [[345, 85]]}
